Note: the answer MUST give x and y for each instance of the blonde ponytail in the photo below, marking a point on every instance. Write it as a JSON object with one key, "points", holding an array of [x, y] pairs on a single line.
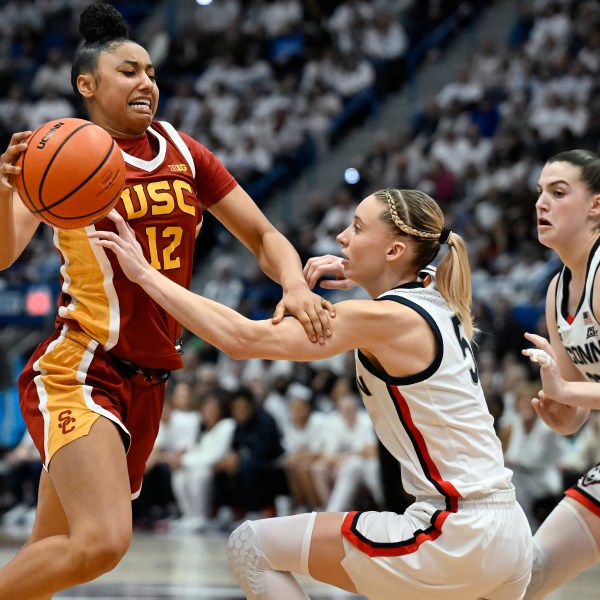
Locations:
{"points": [[417, 215]]}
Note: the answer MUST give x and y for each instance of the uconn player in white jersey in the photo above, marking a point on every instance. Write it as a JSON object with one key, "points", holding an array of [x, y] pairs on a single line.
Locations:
{"points": [[465, 537], [568, 214]]}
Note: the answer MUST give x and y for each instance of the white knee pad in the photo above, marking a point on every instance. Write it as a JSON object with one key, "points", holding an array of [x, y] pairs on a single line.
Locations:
{"points": [[259, 549], [247, 561]]}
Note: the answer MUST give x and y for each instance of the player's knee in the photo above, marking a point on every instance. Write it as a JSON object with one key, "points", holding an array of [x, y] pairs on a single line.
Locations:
{"points": [[95, 554], [246, 560]]}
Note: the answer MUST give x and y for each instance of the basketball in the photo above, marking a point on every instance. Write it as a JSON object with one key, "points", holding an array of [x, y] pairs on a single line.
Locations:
{"points": [[72, 173]]}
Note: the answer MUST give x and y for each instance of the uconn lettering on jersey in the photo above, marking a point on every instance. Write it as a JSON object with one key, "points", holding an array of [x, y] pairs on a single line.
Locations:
{"points": [[586, 354]]}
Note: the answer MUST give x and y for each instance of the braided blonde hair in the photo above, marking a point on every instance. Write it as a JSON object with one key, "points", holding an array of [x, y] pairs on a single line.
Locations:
{"points": [[415, 214]]}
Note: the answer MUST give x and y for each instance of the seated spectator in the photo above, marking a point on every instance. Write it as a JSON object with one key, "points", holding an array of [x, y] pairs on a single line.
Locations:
{"points": [[465, 90], [385, 42], [351, 75], [533, 452], [47, 107], [184, 110], [55, 73], [14, 109], [303, 439], [244, 478], [193, 469], [225, 285], [350, 436], [177, 433]]}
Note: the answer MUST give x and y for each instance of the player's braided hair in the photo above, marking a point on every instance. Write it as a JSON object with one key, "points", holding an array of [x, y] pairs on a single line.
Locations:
{"points": [[417, 215], [408, 229]]}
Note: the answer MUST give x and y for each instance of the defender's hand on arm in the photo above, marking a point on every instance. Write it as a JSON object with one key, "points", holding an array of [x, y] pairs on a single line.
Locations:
{"points": [[126, 248], [313, 312]]}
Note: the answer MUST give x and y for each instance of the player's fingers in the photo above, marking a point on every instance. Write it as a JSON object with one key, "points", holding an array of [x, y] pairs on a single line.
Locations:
{"points": [[304, 319], [329, 307], [278, 313], [539, 356], [311, 274], [114, 216], [539, 341], [320, 322], [335, 284], [311, 322], [318, 266], [19, 137]]}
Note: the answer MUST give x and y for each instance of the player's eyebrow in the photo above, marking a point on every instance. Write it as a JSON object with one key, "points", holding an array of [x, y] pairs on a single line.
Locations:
{"points": [[135, 63]]}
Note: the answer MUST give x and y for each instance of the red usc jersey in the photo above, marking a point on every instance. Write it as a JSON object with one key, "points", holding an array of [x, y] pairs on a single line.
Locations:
{"points": [[170, 178]]}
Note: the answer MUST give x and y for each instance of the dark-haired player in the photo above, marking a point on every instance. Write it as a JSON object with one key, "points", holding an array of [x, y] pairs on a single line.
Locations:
{"points": [[93, 392]]}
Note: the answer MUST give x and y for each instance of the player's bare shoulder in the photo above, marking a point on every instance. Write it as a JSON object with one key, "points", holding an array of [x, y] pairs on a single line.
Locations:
{"points": [[381, 323]]}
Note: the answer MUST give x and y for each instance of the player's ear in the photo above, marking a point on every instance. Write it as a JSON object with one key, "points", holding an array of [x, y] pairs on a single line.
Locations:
{"points": [[595, 206], [395, 250], [86, 84]]}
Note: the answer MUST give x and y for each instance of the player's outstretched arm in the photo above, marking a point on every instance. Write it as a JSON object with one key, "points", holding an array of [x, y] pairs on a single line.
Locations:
{"points": [[227, 329], [279, 260]]}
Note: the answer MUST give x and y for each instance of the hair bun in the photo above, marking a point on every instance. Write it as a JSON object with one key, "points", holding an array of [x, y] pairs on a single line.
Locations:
{"points": [[101, 23]]}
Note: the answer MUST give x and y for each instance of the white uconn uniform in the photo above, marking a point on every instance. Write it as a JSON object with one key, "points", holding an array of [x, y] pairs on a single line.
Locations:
{"points": [[465, 537], [580, 335]]}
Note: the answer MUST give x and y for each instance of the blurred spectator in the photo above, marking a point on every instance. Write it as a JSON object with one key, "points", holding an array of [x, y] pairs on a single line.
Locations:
{"points": [[214, 18], [244, 478], [177, 434], [465, 90], [21, 470], [303, 439], [225, 285], [184, 109], [14, 110], [533, 452], [350, 437], [54, 74], [350, 75], [385, 43], [47, 107], [192, 477]]}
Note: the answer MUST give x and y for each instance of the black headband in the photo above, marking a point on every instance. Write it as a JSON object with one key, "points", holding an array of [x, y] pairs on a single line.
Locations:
{"points": [[444, 235]]}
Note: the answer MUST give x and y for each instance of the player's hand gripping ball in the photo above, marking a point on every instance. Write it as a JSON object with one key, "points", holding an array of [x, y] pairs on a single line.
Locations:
{"points": [[72, 173]]}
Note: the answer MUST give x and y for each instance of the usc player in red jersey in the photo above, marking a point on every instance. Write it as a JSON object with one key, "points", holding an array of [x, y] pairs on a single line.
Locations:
{"points": [[92, 393]]}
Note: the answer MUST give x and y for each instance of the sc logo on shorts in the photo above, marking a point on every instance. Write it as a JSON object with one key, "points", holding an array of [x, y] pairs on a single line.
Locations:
{"points": [[65, 421]]}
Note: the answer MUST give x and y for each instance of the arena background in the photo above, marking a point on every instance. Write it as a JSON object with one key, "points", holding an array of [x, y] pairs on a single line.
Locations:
{"points": [[311, 105]]}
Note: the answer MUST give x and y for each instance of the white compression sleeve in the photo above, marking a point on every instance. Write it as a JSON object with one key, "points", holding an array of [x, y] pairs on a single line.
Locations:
{"points": [[563, 547], [262, 555]]}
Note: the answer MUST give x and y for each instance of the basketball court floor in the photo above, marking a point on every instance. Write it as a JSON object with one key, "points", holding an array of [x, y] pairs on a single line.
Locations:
{"points": [[168, 566]]}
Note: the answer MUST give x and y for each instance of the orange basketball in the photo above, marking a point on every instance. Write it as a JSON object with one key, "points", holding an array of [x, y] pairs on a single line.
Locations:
{"points": [[72, 173]]}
